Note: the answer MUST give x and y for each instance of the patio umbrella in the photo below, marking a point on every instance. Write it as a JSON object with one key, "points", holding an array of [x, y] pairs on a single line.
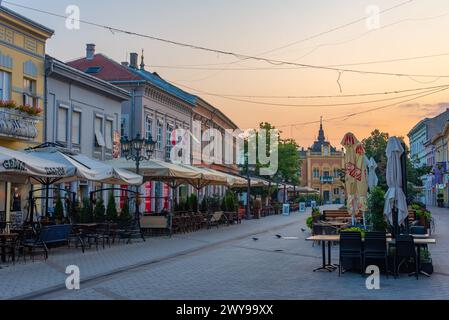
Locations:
{"points": [[361, 181], [395, 197], [84, 167], [373, 181], [352, 172], [17, 166]]}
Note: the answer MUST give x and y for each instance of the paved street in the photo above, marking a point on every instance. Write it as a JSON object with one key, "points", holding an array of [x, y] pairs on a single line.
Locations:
{"points": [[218, 264]]}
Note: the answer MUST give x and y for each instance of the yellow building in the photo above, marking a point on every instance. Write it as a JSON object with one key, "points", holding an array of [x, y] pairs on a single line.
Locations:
{"points": [[320, 169], [22, 80], [22, 84]]}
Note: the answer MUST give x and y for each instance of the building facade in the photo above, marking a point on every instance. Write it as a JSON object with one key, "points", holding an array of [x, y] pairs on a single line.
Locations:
{"points": [[421, 133], [209, 117], [83, 114], [156, 108], [22, 82], [320, 169]]}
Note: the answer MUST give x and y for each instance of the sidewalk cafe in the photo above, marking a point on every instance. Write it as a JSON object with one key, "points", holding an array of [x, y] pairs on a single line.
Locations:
{"points": [[399, 245]]}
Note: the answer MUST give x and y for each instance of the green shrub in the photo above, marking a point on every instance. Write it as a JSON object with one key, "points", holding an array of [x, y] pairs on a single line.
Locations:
{"points": [[193, 203], [376, 203], [111, 211], [86, 212], [99, 211], [360, 230], [59, 209], [310, 222], [125, 215]]}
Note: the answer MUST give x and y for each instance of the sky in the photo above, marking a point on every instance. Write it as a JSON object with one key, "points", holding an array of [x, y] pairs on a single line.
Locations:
{"points": [[256, 27]]}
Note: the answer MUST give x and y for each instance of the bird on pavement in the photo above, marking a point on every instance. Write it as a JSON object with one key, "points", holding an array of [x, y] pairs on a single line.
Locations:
{"points": [[278, 236], [303, 230], [255, 239]]}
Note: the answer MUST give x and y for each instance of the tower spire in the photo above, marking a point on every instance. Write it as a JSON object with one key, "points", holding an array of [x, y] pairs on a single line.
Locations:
{"points": [[142, 63], [321, 136]]}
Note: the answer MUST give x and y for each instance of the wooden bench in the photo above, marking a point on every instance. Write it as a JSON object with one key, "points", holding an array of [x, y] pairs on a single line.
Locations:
{"points": [[337, 214], [155, 224]]}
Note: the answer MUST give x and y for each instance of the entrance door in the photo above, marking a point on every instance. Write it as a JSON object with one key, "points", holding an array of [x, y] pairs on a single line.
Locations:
{"points": [[327, 197]]}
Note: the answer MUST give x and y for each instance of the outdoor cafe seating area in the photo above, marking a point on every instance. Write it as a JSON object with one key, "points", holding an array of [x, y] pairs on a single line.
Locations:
{"points": [[394, 236]]}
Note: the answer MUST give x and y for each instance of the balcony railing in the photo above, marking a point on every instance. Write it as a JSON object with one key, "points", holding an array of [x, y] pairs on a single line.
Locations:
{"points": [[327, 180], [17, 125]]}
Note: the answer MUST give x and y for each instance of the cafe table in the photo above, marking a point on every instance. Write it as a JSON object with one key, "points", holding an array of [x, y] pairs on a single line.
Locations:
{"points": [[327, 262], [3, 238]]}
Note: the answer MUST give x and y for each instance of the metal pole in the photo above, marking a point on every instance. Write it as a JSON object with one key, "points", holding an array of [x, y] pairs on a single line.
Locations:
{"points": [[285, 193], [47, 191], [137, 213], [248, 197]]}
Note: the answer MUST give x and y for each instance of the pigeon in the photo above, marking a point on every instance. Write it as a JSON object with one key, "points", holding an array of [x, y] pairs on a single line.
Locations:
{"points": [[278, 236], [255, 239], [303, 230]]}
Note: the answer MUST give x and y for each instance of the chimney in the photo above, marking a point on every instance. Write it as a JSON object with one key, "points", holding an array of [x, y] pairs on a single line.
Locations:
{"points": [[133, 60], [90, 51]]}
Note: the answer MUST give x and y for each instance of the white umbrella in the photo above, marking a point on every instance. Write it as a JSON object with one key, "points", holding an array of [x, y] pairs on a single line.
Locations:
{"points": [[84, 167], [395, 197], [373, 181], [18, 166]]}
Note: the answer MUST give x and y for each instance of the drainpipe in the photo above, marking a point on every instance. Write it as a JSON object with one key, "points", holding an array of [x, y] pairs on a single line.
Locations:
{"points": [[48, 72]]}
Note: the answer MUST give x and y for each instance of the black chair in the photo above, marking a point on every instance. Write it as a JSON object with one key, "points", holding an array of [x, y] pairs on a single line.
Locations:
{"points": [[418, 230], [405, 250], [350, 248], [376, 248]]}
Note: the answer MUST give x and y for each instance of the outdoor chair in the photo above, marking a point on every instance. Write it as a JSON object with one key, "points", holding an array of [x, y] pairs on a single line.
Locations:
{"points": [[405, 250], [13, 248], [376, 248], [130, 230], [215, 219], [350, 248]]}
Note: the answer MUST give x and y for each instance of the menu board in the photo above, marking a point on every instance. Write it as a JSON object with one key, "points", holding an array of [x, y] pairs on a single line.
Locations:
{"points": [[17, 219]]}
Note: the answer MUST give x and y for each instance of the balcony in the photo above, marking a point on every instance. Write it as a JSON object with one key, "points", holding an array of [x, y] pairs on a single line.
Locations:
{"points": [[325, 180], [18, 125]]}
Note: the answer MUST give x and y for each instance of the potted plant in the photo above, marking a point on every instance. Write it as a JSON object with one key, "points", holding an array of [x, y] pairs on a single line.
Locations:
{"points": [[309, 222], [125, 215], [440, 200], [426, 261], [59, 211], [424, 217], [86, 212]]}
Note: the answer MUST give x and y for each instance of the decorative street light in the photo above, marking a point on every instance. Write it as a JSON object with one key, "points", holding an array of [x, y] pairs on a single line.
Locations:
{"points": [[137, 150], [250, 170]]}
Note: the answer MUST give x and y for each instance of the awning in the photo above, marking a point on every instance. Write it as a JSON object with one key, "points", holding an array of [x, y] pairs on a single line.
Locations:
{"points": [[18, 166], [85, 168], [255, 183], [206, 177], [154, 170]]}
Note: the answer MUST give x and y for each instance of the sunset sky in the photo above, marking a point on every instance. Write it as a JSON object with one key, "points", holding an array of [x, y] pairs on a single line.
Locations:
{"points": [[256, 27]]}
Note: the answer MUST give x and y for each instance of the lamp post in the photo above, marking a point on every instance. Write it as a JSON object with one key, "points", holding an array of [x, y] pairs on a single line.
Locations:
{"points": [[250, 168], [137, 150]]}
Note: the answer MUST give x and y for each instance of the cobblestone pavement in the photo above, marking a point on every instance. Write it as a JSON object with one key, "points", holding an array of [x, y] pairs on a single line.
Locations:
{"points": [[220, 264]]}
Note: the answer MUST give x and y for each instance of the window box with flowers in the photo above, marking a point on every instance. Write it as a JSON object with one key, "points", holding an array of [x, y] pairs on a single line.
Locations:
{"points": [[19, 121]]}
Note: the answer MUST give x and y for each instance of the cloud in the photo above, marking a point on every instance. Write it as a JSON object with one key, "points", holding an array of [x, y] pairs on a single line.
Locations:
{"points": [[421, 111]]}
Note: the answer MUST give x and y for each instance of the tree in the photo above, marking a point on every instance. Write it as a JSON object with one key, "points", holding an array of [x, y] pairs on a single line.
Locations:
{"points": [[99, 210], [376, 202], [375, 147], [59, 209]]}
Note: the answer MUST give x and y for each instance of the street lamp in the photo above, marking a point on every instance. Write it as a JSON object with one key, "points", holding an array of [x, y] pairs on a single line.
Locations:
{"points": [[250, 169], [137, 150]]}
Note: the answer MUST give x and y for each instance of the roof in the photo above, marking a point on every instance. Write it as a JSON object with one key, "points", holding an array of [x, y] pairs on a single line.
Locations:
{"points": [[433, 125], [114, 72], [55, 66], [33, 23], [217, 112]]}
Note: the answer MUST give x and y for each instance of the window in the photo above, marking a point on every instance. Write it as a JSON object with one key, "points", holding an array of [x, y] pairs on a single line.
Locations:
{"points": [[159, 135], [29, 92], [99, 139], [76, 127], [168, 144], [62, 124], [5, 86], [149, 128], [326, 174], [108, 134], [93, 70], [316, 172], [336, 173], [336, 192]]}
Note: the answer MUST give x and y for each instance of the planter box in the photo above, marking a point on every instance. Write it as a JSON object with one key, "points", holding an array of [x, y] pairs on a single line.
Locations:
{"points": [[18, 125]]}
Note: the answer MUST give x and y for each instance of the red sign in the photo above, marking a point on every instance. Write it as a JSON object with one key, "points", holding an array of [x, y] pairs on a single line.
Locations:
{"points": [[166, 196], [353, 171], [148, 187], [123, 196]]}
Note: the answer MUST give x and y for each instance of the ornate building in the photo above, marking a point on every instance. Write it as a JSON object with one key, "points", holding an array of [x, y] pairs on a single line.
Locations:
{"points": [[321, 167]]}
